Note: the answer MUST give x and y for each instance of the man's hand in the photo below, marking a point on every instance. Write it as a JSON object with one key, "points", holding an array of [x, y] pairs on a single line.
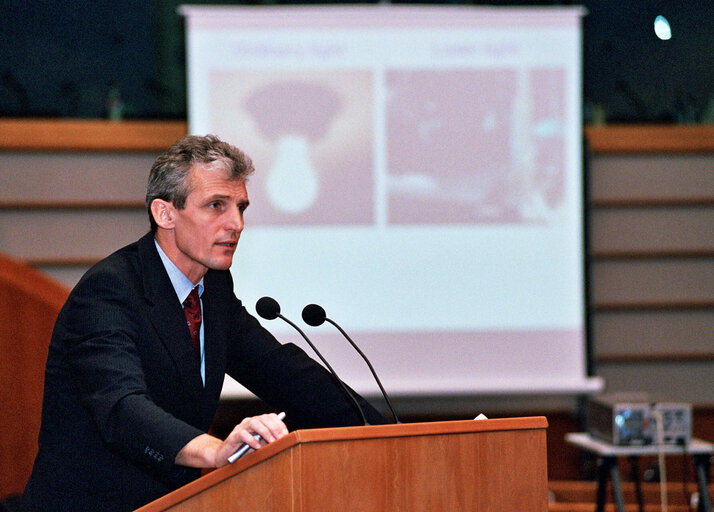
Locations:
{"points": [[206, 451]]}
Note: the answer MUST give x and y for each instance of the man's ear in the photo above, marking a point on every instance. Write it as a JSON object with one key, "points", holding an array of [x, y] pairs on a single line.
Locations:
{"points": [[164, 213]]}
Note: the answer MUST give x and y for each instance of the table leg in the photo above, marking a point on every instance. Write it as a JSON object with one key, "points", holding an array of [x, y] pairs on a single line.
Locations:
{"points": [[701, 465], [617, 488], [635, 477], [603, 472], [607, 467]]}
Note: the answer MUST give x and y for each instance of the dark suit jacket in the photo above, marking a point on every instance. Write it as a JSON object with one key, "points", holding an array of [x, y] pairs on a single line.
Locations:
{"points": [[123, 390]]}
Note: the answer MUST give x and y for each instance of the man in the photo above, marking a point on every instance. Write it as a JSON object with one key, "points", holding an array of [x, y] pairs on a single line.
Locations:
{"points": [[127, 400]]}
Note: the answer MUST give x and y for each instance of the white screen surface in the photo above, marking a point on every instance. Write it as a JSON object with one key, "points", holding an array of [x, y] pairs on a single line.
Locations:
{"points": [[419, 175]]}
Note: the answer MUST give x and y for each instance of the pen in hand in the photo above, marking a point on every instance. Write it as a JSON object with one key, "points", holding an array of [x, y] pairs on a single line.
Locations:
{"points": [[245, 448]]}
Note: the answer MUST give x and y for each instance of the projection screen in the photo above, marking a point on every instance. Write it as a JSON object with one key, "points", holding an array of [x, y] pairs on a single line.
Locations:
{"points": [[419, 175]]}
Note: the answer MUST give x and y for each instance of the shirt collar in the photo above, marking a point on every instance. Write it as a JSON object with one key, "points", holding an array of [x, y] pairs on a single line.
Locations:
{"points": [[182, 284]]}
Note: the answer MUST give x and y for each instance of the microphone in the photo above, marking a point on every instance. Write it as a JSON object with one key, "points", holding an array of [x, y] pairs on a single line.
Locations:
{"points": [[268, 308], [315, 316]]}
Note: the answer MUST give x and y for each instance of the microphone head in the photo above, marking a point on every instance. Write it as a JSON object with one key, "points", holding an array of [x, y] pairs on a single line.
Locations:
{"points": [[268, 308], [313, 315]]}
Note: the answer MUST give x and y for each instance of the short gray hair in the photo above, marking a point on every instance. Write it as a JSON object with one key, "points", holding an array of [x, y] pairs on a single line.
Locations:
{"points": [[168, 179]]}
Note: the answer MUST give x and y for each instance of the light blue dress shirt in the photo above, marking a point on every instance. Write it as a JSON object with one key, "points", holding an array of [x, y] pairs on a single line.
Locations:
{"points": [[183, 286]]}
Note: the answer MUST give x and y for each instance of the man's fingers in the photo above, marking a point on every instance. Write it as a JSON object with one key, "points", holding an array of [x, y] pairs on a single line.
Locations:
{"points": [[276, 427], [268, 426], [254, 431]]}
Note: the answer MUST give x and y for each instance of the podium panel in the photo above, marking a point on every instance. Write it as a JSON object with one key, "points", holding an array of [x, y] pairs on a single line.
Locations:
{"points": [[461, 466], [29, 304]]}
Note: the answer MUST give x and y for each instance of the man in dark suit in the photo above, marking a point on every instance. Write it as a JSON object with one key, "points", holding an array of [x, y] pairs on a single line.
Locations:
{"points": [[127, 400]]}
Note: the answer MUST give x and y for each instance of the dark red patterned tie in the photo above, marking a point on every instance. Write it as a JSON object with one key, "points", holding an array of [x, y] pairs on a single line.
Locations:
{"points": [[192, 310]]}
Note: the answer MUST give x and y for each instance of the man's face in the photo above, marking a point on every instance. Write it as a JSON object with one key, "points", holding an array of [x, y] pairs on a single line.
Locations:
{"points": [[207, 229]]}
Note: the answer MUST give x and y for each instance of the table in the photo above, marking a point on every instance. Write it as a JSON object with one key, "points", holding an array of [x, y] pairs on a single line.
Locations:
{"points": [[607, 466]]}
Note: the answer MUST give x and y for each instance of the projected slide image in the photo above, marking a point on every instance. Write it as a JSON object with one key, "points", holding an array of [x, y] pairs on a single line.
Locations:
{"points": [[474, 146], [419, 175], [310, 136], [547, 89]]}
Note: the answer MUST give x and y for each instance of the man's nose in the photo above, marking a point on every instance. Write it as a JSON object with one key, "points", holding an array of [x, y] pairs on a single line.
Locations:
{"points": [[234, 219]]}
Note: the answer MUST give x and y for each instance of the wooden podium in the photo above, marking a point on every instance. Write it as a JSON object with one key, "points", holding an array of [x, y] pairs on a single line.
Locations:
{"points": [[473, 465]]}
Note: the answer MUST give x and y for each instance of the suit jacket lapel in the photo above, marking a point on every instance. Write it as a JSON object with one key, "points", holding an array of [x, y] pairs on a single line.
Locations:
{"points": [[215, 313], [167, 316]]}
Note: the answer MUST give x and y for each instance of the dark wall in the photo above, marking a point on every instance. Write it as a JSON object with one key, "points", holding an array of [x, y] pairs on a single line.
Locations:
{"points": [[62, 58], [637, 77], [69, 58]]}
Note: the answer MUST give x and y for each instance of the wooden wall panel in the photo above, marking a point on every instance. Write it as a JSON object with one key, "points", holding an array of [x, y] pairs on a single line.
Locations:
{"points": [[88, 135], [690, 382], [653, 281], [41, 235], [679, 334], [651, 207], [62, 177], [652, 230], [650, 138], [636, 177]]}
